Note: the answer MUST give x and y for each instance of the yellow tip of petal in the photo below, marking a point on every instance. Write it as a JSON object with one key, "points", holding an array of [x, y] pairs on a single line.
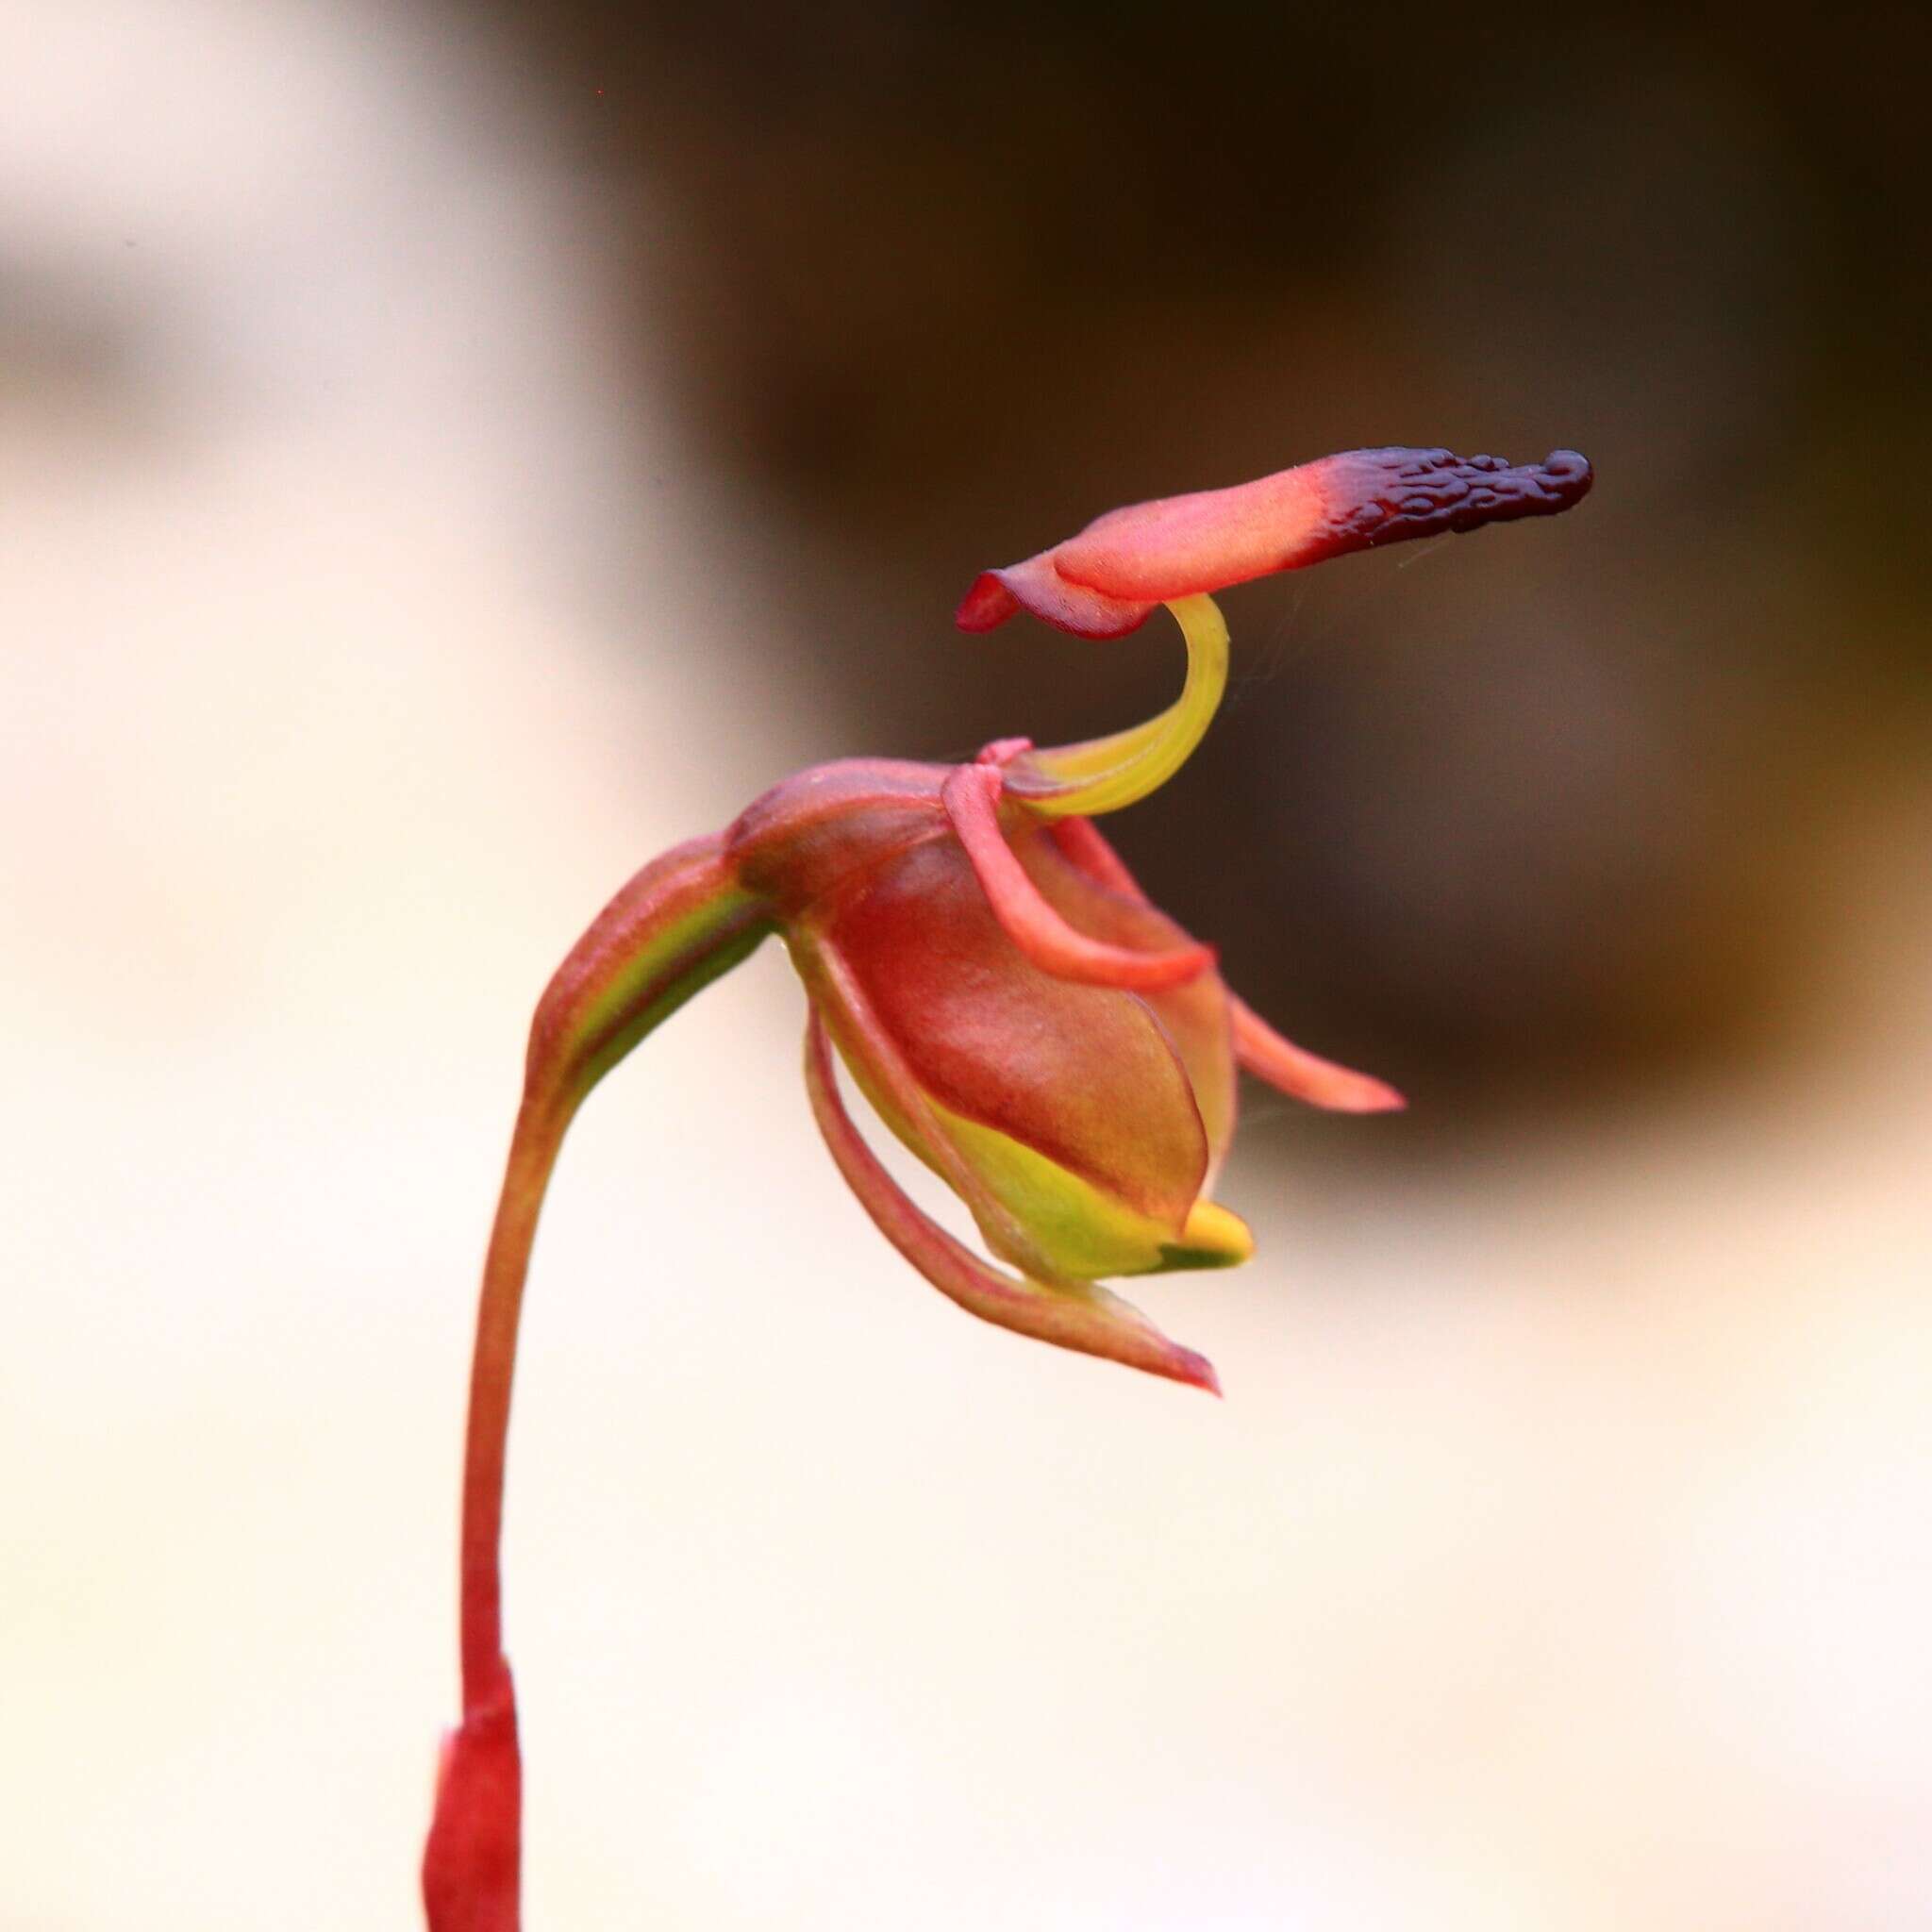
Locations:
{"points": [[1212, 1238]]}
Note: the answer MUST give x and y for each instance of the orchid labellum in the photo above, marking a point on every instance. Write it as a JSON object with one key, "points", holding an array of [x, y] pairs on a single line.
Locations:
{"points": [[1053, 1046]]}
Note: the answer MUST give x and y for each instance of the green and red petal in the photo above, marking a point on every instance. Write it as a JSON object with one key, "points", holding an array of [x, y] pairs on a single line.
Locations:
{"points": [[1082, 1075]]}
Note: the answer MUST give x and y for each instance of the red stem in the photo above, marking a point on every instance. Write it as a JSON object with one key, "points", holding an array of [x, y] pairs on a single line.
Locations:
{"points": [[538, 1134], [471, 1865], [680, 922]]}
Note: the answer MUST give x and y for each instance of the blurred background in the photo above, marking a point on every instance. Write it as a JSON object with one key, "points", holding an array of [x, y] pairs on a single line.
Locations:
{"points": [[449, 452]]}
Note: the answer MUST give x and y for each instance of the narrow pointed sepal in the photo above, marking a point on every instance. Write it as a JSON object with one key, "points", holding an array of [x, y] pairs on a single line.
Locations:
{"points": [[472, 1862], [971, 801], [1258, 1048], [1081, 1316], [1304, 1076], [1086, 845]]}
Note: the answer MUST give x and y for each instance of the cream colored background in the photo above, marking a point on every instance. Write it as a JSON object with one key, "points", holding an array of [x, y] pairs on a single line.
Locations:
{"points": [[1559, 1560]]}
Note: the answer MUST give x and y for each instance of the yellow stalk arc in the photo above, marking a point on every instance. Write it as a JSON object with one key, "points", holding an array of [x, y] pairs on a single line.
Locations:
{"points": [[1105, 774]]}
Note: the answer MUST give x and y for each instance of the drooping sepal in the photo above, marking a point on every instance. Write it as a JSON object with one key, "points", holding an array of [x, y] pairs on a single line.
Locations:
{"points": [[1076, 1315]]}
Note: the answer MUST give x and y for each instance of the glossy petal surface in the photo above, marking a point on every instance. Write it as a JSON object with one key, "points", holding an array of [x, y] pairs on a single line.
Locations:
{"points": [[1195, 1015], [1082, 1074]]}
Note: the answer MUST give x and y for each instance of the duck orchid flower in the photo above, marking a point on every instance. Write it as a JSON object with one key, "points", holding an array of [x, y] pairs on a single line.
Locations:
{"points": [[1000, 990]]}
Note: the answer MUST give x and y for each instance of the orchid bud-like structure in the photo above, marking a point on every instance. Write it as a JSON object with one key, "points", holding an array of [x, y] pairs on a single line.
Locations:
{"points": [[1000, 991]]}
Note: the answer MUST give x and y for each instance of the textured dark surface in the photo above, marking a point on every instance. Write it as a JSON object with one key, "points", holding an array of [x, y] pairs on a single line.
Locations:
{"points": [[1428, 492]]}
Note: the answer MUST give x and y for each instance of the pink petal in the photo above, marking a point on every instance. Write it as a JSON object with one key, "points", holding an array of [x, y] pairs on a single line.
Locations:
{"points": [[1105, 581]]}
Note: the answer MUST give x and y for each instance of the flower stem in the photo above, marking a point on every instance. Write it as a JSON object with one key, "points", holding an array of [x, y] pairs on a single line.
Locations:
{"points": [[493, 1368], [680, 923], [471, 1864]]}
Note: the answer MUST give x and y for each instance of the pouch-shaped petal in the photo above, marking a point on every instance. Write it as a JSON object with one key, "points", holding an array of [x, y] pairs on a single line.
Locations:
{"points": [[1195, 1015], [1068, 1103], [1104, 582]]}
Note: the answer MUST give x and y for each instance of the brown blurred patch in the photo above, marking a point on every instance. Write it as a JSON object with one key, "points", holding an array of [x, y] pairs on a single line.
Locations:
{"points": [[1538, 814]]}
